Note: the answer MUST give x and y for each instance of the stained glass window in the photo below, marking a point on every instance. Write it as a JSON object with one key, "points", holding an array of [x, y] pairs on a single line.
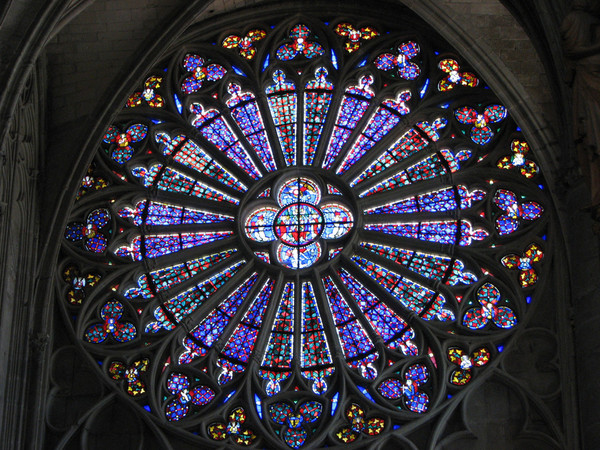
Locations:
{"points": [[304, 233]]}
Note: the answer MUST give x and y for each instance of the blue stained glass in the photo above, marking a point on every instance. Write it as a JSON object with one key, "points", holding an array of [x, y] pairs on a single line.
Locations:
{"points": [[202, 337], [245, 111], [299, 189], [193, 156], [238, 71], [434, 267], [188, 301], [447, 199], [226, 399], [178, 103], [443, 232], [266, 63], [215, 129], [299, 257], [431, 167], [354, 105], [282, 100], [358, 348], [302, 44], [410, 294], [489, 312], [415, 399], [332, 190], [200, 73], [317, 99], [259, 224], [171, 180], [240, 345], [394, 331], [383, 120], [158, 213], [168, 277], [409, 143], [280, 348], [258, 404], [314, 347], [164, 244], [424, 88], [365, 392], [334, 403]]}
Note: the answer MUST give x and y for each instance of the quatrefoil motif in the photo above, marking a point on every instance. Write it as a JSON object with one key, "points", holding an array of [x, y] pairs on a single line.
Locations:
{"points": [[110, 314], [454, 77], [123, 150], [355, 36], [457, 356], [513, 211], [527, 274], [294, 433], [405, 68], [481, 133], [300, 45], [245, 45], [488, 297], [299, 223], [518, 161], [201, 73], [359, 424], [148, 95], [92, 232], [178, 385], [131, 374], [410, 390], [220, 431]]}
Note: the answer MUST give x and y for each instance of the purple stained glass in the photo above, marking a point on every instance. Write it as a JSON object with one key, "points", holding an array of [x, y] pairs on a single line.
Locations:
{"points": [[214, 128], [159, 245], [171, 276], [317, 99], [354, 105], [356, 344], [158, 213], [314, 347], [410, 294], [203, 336], [280, 350], [282, 99], [240, 345], [383, 120], [394, 331], [246, 113], [188, 301], [434, 267], [443, 232], [190, 154]]}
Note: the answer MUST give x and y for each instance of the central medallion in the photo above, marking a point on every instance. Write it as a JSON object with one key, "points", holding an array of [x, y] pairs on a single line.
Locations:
{"points": [[294, 219], [298, 224]]}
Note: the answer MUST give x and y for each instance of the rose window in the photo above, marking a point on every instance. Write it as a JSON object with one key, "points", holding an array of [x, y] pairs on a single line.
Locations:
{"points": [[313, 234]]}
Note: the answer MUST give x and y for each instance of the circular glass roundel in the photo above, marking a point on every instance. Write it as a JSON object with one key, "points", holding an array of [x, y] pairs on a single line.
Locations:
{"points": [[331, 256], [298, 224]]}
